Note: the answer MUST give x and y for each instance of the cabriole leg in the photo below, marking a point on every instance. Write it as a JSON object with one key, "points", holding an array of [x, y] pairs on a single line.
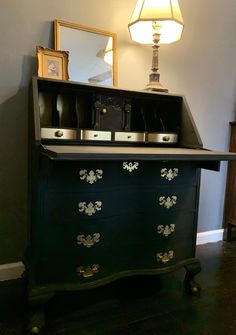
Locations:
{"points": [[37, 314], [190, 285], [36, 320]]}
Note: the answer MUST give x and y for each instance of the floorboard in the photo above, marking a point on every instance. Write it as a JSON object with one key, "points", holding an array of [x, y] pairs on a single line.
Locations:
{"points": [[138, 305]]}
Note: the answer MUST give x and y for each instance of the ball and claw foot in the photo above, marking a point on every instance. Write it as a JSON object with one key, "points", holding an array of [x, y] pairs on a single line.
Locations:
{"points": [[35, 330], [37, 321], [195, 289], [192, 287]]}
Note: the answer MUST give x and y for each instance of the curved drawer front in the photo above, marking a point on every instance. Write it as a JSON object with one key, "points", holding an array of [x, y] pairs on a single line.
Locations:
{"points": [[137, 257], [97, 175], [117, 201], [86, 267], [117, 229], [101, 219], [70, 269], [117, 244]]}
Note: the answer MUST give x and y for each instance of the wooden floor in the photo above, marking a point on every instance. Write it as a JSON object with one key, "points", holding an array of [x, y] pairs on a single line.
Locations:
{"points": [[139, 306]]}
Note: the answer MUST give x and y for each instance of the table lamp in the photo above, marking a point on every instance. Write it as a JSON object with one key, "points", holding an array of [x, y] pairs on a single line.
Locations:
{"points": [[156, 22]]}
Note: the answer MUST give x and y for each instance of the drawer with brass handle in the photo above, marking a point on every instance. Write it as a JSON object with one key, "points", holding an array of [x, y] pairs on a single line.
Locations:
{"points": [[163, 138], [58, 133], [129, 137], [87, 271], [95, 135]]}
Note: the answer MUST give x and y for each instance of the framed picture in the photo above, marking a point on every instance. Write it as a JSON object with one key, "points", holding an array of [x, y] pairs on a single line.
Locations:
{"points": [[52, 63]]}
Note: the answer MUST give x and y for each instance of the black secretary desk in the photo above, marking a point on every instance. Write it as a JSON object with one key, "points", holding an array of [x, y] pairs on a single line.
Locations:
{"points": [[114, 187]]}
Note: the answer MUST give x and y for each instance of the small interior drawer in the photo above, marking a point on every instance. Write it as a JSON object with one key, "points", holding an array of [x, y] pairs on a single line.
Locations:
{"points": [[129, 137], [59, 133], [162, 137], [95, 135]]}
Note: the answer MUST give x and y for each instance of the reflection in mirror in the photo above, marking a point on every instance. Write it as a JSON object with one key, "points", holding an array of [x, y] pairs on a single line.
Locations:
{"points": [[92, 52]]}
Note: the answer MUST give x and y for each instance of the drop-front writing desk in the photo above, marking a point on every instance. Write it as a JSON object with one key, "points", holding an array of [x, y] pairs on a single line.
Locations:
{"points": [[114, 187]]}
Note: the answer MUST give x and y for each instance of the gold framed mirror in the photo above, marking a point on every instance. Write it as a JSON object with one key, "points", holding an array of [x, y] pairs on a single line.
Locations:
{"points": [[92, 52]]}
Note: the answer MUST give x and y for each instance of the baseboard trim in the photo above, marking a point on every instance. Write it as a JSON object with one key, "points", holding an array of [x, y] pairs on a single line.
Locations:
{"points": [[15, 270], [11, 271], [210, 236]]}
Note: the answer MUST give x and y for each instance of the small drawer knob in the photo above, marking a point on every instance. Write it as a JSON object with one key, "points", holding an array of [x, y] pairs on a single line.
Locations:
{"points": [[58, 133], [166, 138]]}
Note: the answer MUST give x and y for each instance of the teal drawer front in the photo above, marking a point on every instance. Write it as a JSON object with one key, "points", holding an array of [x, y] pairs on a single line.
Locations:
{"points": [[122, 245], [119, 201], [98, 220], [109, 262], [96, 175], [87, 236]]}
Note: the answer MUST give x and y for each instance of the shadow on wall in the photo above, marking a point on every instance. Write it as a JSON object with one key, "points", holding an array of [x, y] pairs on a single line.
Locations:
{"points": [[13, 168], [234, 112]]}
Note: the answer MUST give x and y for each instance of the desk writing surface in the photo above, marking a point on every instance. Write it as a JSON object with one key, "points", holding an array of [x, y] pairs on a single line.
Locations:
{"points": [[64, 152], [110, 209]]}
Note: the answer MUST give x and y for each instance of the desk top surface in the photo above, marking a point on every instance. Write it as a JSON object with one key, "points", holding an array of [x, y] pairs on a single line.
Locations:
{"points": [[78, 152]]}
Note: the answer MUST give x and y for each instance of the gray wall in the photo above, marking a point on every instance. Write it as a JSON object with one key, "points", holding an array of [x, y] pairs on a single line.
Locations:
{"points": [[201, 66]]}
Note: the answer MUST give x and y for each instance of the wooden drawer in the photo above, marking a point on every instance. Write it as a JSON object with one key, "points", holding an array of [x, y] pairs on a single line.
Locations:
{"points": [[88, 176], [96, 237], [128, 201], [129, 137], [113, 261], [59, 133], [93, 135]]}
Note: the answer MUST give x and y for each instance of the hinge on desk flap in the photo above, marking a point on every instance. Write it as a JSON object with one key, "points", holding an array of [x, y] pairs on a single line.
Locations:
{"points": [[209, 165], [46, 152], [205, 159]]}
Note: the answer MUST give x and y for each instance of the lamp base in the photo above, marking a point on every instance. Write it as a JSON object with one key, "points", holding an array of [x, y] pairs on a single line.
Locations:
{"points": [[154, 84]]}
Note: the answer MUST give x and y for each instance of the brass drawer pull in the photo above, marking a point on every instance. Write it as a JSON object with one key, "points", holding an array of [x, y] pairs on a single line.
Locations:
{"points": [[89, 240], [90, 208], [168, 202], [87, 271], [165, 257], [91, 177], [169, 174], [166, 230]]}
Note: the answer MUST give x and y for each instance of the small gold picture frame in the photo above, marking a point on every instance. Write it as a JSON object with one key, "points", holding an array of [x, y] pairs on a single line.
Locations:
{"points": [[52, 64]]}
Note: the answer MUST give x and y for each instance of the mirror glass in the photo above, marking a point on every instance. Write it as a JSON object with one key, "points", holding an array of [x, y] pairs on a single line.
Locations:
{"points": [[92, 52]]}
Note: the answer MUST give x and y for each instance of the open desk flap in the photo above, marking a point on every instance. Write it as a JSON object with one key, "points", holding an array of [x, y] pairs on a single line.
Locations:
{"points": [[206, 158]]}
